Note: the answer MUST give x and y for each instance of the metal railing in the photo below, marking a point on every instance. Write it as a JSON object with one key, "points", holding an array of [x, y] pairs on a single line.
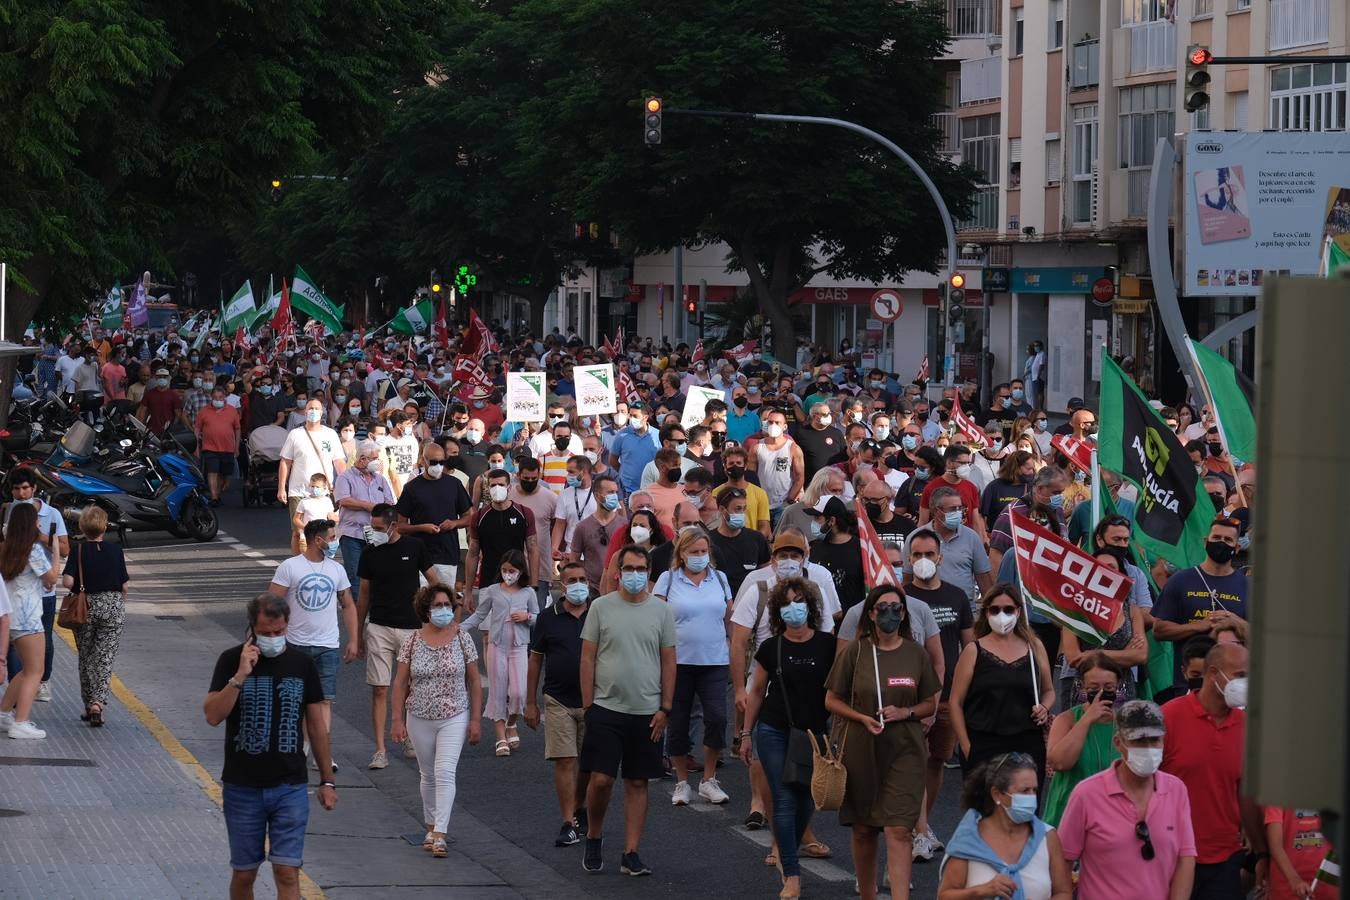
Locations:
{"points": [[1136, 194], [945, 123], [983, 210], [973, 18], [1153, 47], [981, 79], [1086, 64]]}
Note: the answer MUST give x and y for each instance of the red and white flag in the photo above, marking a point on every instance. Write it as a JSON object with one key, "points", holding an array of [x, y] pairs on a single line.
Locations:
{"points": [[1066, 584], [698, 351], [626, 389], [1078, 452], [876, 570], [282, 321], [966, 425], [440, 328], [469, 375], [479, 341], [742, 352], [922, 374]]}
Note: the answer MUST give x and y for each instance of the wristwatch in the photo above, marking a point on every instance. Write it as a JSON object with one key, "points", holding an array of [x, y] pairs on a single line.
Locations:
{"points": [[328, 784], [237, 685]]}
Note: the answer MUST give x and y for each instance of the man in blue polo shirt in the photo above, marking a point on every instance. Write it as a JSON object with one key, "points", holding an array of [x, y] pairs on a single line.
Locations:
{"points": [[633, 448]]}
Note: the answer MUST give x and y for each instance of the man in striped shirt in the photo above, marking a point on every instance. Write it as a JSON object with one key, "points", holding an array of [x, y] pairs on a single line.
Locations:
{"points": [[554, 460]]}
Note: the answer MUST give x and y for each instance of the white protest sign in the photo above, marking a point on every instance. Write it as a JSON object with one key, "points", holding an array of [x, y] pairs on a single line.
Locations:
{"points": [[595, 389], [524, 396], [696, 401]]}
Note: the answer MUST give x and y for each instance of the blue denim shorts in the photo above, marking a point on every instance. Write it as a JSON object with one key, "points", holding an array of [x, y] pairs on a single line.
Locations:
{"points": [[326, 658], [271, 818]]}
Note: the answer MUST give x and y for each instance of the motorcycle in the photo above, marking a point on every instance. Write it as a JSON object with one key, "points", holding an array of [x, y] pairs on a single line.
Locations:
{"points": [[145, 484]]}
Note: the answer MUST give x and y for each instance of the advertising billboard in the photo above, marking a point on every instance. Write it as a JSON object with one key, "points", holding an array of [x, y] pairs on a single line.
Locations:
{"points": [[1261, 204]]}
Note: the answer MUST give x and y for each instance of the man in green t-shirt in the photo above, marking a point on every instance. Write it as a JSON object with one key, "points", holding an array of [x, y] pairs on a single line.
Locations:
{"points": [[627, 687]]}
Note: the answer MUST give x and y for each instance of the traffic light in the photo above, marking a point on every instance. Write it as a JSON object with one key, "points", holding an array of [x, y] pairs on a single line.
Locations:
{"points": [[956, 297], [1196, 88], [276, 190], [691, 307], [436, 285], [651, 121]]}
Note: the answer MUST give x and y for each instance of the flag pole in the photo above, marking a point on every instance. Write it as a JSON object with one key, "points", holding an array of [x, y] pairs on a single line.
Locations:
{"points": [[1218, 419], [1096, 492]]}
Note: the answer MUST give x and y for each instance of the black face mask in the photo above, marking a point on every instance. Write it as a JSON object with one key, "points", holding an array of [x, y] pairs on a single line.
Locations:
{"points": [[740, 401], [1218, 499], [1215, 449], [562, 443], [1195, 682], [673, 474], [735, 473], [890, 620], [528, 484], [719, 438], [874, 510], [1090, 696], [1218, 551]]}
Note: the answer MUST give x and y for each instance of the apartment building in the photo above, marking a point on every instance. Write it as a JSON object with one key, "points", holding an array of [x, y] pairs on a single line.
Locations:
{"points": [[1059, 103]]}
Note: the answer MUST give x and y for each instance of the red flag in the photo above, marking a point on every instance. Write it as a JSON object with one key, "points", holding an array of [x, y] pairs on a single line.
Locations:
{"points": [[1066, 584], [469, 375], [479, 341], [281, 320], [241, 337], [626, 388], [922, 374], [876, 570], [742, 352], [440, 329], [1078, 452], [698, 351], [964, 424]]}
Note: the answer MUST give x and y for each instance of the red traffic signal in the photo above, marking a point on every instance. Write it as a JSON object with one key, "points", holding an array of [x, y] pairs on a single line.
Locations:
{"points": [[1200, 56], [958, 280]]}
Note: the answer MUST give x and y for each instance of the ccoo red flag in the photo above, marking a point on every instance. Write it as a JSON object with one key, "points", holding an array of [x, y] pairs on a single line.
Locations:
{"points": [[876, 570], [1066, 584], [966, 425], [1078, 452]]}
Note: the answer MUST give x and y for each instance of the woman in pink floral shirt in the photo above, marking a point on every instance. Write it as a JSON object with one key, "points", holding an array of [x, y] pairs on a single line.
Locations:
{"points": [[438, 701]]}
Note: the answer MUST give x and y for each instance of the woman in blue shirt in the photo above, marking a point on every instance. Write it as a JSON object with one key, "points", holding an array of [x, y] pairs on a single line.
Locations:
{"points": [[700, 598]]}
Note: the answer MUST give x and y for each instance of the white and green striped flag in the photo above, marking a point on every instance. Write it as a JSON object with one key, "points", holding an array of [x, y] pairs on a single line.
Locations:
{"points": [[210, 324], [415, 319], [308, 299], [1329, 872], [112, 308], [265, 312], [239, 311]]}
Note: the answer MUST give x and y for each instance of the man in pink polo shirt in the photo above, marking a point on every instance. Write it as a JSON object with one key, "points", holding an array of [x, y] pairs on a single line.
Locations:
{"points": [[1130, 825]]}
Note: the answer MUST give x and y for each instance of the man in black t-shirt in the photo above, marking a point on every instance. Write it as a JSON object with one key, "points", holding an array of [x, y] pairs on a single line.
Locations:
{"points": [[556, 650], [738, 550], [433, 508], [499, 526], [390, 571], [264, 691]]}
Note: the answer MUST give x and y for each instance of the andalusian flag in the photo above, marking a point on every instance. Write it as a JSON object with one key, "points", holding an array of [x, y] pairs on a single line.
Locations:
{"points": [[112, 308], [239, 311], [1329, 872], [308, 299], [1334, 258], [415, 319], [1229, 401]]}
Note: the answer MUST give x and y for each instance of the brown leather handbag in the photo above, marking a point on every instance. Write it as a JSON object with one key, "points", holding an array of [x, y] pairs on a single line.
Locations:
{"points": [[74, 610]]}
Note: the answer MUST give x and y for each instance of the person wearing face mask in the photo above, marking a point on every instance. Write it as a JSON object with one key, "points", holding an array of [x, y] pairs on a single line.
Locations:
{"points": [[822, 444], [501, 525], [956, 475], [358, 491], [632, 448], [318, 505], [576, 502], [438, 700], [644, 530], [510, 607], [1205, 750], [880, 688], [828, 482], [1196, 599], [985, 463], [779, 464], [554, 459], [673, 437], [1015, 473], [835, 547], [1129, 827], [878, 499], [787, 691], [529, 493], [1001, 848], [402, 452], [999, 413], [739, 550], [618, 421], [264, 781], [390, 571], [555, 650], [590, 539], [217, 431], [1002, 691], [667, 492], [263, 405], [197, 396], [700, 597], [964, 560], [1080, 742], [309, 449], [741, 420], [698, 497], [1043, 500], [160, 405]]}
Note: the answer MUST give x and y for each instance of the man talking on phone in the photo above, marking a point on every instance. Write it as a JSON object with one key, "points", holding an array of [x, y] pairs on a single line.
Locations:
{"points": [[263, 690]]}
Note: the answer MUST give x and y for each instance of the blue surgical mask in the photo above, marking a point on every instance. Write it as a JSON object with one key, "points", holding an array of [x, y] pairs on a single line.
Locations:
{"points": [[313, 415], [736, 520], [1018, 394], [577, 592], [1042, 424], [794, 613], [921, 473], [1022, 809], [612, 501], [1005, 402], [442, 616], [573, 481], [1057, 501], [816, 530], [682, 448], [899, 573], [909, 441], [634, 582], [952, 520], [996, 445], [881, 432], [270, 645], [697, 563], [330, 550]]}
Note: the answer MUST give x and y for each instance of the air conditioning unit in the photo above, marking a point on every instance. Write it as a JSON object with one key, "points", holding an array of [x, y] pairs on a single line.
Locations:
{"points": [[995, 43]]}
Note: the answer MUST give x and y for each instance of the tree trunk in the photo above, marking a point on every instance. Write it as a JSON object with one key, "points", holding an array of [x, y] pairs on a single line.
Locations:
{"points": [[20, 307], [772, 291], [538, 298]]}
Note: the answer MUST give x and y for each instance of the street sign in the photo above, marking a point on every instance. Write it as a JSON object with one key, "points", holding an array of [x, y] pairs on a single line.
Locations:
{"points": [[1103, 291], [995, 279], [887, 305]]}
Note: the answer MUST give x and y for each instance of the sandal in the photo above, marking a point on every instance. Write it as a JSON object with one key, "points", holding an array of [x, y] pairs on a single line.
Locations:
{"points": [[755, 821], [772, 859], [503, 748], [95, 716], [429, 840], [816, 850], [438, 848], [512, 737]]}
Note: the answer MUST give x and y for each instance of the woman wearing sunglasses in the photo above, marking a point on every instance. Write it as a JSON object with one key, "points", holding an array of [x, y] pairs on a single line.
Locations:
{"points": [[1001, 849], [1001, 691]]}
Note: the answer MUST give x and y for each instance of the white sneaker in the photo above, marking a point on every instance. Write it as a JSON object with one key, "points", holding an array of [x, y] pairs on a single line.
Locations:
{"points": [[409, 751], [711, 791], [6, 721], [26, 731], [923, 849], [933, 842], [44, 694], [681, 795]]}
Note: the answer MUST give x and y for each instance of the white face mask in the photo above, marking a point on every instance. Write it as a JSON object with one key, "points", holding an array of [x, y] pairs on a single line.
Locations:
{"points": [[773, 430], [924, 568], [1003, 623], [1235, 693], [510, 577], [825, 421], [435, 470], [1143, 761], [640, 534], [498, 493]]}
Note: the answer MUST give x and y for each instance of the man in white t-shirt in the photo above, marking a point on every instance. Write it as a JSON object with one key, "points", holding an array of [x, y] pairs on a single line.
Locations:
{"points": [[316, 586], [66, 367], [309, 449]]}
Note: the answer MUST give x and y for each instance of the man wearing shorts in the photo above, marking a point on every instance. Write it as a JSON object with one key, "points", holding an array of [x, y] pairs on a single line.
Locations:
{"points": [[389, 573], [556, 649], [217, 427], [627, 687], [265, 690], [315, 586]]}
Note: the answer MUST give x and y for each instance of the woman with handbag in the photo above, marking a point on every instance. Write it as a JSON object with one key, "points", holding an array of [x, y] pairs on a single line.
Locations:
{"points": [[98, 571], [28, 574], [881, 686], [786, 699]]}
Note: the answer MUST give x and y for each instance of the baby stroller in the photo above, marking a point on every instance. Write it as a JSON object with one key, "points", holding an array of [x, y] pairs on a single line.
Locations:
{"points": [[264, 459]]}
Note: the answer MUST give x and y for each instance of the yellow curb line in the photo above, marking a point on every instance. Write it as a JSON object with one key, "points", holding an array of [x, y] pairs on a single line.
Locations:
{"points": [[309, 890]]}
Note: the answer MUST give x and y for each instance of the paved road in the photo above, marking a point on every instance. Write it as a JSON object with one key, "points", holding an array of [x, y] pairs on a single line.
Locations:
{"points": [[188, 606]]}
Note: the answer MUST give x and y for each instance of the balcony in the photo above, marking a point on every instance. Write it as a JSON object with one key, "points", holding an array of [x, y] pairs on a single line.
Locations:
{"points": [[1086, 65], [973, 18], [1151, 47], [983, 211], [1136, 193], [981, 79], [945, 123], [1297, 23]]}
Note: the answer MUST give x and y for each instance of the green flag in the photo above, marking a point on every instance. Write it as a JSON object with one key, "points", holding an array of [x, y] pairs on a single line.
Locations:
{"points": [[308, 299], [1229, 402], [415, 319], [239, 311], [1336, 258], [1135, 443], [112, 308]]}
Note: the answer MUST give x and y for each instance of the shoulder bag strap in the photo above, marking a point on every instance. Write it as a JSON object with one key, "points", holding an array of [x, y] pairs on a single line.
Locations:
{"points": [[760, 606], [876, 671], [79, 567], [778, 673]]}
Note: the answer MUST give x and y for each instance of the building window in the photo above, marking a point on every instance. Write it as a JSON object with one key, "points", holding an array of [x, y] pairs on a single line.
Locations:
{"points": [[1141, 12], [1147, 112], [1056, 24], [1237, 110], [1019, 31], [979, 146], [1201, 8], [1083, 162], [1297, 23], [1054, 166], [1014, 163], [1308, 97], [1200, 120]]}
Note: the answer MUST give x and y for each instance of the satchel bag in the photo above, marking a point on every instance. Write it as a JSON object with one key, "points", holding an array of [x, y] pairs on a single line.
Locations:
{"points": [[800, 763], [75, 605], [829, 778]]}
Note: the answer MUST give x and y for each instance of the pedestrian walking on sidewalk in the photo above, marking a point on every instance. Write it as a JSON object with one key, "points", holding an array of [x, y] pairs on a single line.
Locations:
{"points": [[100, 571], [265, 690], [22, 488], [438, 700], [28, 574], [510, 608]]}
